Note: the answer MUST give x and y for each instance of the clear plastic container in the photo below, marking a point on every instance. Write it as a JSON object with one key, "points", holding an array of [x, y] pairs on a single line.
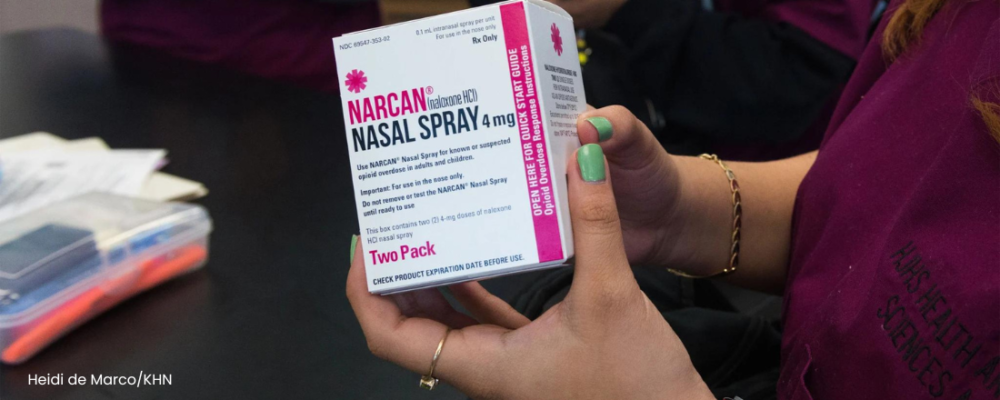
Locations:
{"points": [[66, 263]]}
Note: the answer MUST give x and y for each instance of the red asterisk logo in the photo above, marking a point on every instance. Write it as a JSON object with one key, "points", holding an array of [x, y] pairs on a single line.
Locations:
{"points": [[356, 81], [556, 39]]}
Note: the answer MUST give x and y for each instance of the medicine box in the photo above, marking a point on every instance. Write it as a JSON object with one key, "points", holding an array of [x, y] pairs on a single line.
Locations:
{"points": [[459, 127], [68, 262]]}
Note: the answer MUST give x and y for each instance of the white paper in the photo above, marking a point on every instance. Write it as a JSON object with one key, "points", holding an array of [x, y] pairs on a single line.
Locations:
{"points": [[159, 187], [34, 179], [166, 187], [30, 141]]}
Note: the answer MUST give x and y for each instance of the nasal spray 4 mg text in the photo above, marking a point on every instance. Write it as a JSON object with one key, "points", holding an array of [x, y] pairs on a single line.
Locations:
{"points": [[458, 128]]}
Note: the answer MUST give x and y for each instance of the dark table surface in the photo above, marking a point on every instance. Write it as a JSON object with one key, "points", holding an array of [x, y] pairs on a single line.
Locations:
{"points": [[267, 317]]}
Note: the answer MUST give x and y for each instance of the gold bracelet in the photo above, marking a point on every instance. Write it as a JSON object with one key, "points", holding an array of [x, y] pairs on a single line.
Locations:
{"points": [[734, 248]]}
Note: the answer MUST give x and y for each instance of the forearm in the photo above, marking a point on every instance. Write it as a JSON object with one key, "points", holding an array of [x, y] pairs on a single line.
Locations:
{"points": [[704, 214]]}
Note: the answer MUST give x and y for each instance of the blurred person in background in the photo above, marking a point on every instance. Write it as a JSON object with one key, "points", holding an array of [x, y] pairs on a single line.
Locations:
{"points": [[287, 40], [748, 79]]}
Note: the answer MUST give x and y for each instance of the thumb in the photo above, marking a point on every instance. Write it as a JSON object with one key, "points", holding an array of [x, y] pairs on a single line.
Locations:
{"points": [[602, 268], [627, 142]]}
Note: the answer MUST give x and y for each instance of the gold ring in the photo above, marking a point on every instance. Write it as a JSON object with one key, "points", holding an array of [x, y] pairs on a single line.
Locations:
{"points": [[428, 381]]}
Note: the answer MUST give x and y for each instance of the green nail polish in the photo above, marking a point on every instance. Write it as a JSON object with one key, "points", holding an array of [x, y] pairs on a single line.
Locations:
{"points": [[354, 245], [603, 126], [591, 160]]}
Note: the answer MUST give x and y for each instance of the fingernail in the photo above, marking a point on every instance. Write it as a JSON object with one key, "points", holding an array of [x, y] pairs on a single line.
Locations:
{"points": [[591, 160], [354, 245], [603, 126]]}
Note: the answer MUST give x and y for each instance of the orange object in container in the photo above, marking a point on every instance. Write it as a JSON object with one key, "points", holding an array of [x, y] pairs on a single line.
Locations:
{"points": [[66, 263]]}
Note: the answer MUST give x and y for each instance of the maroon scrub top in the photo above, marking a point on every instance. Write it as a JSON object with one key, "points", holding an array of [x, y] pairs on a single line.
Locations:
{"points": [[893, 289]]}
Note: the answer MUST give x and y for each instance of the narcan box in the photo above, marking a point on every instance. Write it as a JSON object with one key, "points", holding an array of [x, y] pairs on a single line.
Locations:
{"points": [[459, 127]]}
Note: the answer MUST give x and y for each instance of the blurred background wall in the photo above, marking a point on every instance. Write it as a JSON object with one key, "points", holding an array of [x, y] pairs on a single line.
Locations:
{"points": [[16, 15]]}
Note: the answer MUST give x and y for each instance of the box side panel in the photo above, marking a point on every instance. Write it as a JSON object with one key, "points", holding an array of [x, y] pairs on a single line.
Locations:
{"points": [[533, 133], [560, 86]]}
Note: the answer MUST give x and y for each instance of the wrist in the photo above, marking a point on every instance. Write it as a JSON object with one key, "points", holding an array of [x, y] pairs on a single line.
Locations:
{"points": [[700, 227]]}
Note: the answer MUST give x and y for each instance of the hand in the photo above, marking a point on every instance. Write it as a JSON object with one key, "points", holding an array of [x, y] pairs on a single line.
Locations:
{"points": [[590, 13], [648, 189], [605, 340], [676, 211]]}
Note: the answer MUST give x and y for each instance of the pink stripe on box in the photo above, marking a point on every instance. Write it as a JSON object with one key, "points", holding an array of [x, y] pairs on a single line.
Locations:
{"points": [[537, 170]]}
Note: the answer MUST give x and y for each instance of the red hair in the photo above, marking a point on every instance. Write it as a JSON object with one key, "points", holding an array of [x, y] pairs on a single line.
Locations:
{"points": [[903, 32]]}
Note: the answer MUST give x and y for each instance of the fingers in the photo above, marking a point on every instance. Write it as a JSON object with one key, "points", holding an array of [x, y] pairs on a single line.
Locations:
{"points": [[601, 263], [486, 307], [626, 141], [427, 303], [430, 303], [375, 313], [469, 353]]}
